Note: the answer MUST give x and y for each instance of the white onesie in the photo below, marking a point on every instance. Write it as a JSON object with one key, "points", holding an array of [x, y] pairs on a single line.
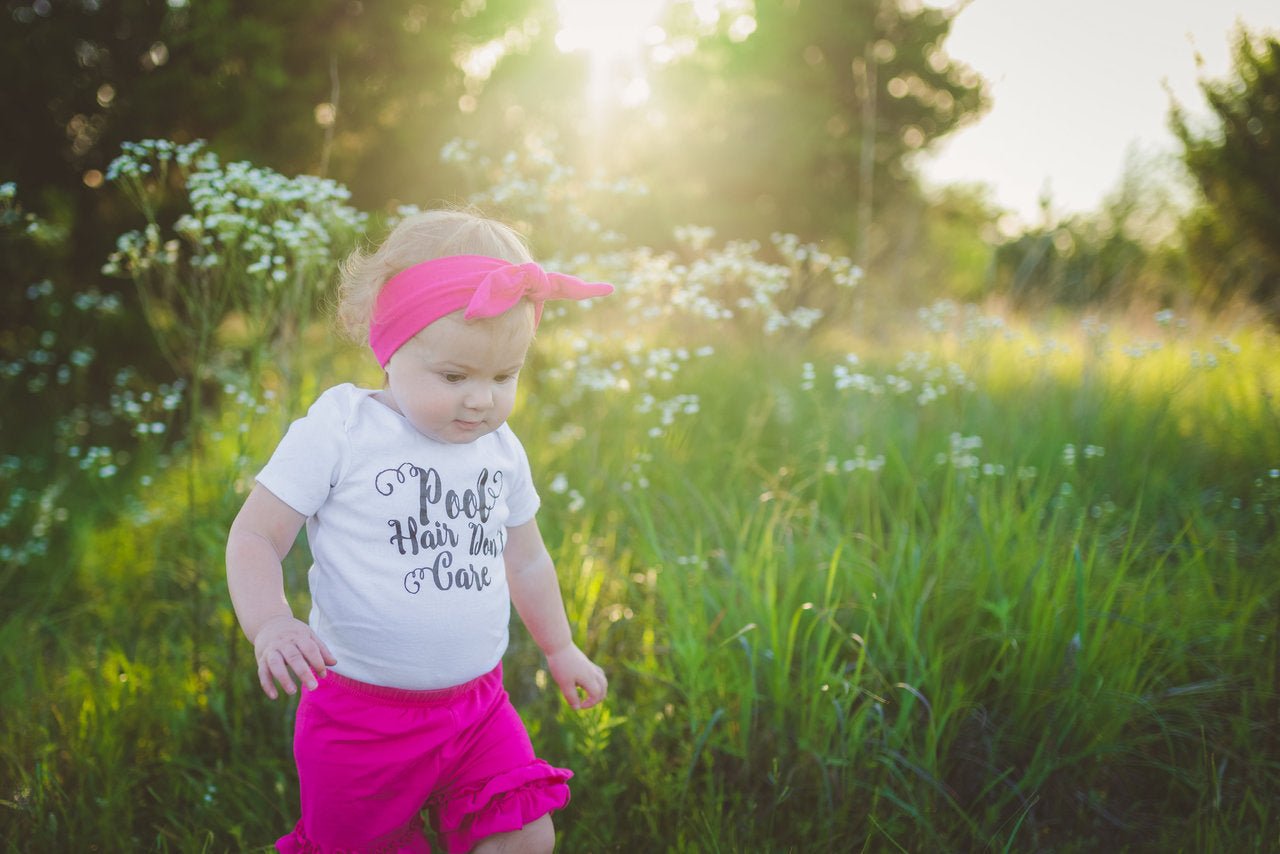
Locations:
{"points": [[408, 585]]}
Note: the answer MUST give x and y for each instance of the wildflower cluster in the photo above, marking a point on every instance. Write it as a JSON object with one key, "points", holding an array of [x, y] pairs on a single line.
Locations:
{"points": [[732, 284], [144, 169], [860, 461], [962, 456], [253, 240], [33, 510], [560, 486], [1207, 359], [667, 410], [533, 187], [1167, 317], [1256, 505], [593, 367], [283, 226], [152, 158], [965, 323], [1210, 359], [936, 318], [688, 286], [1266, 498], [1075, 460], [918, 373], [93, 417], [1089, 452], [14, 218]]}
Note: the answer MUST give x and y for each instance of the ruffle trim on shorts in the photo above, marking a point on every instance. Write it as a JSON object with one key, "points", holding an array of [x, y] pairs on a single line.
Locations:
{"points": [[503, 803], [409, 841]]}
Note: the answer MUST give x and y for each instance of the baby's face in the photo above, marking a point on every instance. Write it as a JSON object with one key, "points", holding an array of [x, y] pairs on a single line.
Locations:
{"points": [[456, 381]]}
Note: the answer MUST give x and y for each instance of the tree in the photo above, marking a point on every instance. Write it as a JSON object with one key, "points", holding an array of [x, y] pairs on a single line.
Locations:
{"points": [[1236, 244], [1120, 253], [790, 115], [810, 121], [359, 90]]}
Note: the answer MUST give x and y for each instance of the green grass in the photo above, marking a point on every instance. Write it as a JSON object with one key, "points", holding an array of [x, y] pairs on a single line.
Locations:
{"points": [[1036, 611]]}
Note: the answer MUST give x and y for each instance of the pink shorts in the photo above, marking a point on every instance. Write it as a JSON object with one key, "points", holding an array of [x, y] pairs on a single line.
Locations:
{"points": [[370, 759]]}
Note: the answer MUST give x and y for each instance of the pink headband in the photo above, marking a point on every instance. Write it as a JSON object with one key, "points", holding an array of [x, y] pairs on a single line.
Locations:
{"points": [[416, 297]]}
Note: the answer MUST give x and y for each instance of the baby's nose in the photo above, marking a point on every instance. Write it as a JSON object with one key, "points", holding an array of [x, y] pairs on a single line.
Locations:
{"points": [[480, 397]]}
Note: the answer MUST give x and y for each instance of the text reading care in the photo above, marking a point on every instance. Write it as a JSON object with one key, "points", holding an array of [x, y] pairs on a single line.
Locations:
{"points": [[446, 520]]}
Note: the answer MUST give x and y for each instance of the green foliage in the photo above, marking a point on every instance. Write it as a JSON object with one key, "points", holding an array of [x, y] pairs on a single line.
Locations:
{"points": [[863, 611], [368, 93], [1237, 166], [80, 411], [968, 584], [953, 251], [839, 613], [869, 82], [1126, 252], [1074, 263], [228, 297], [246, 76], [247, 243], [759, 118]]}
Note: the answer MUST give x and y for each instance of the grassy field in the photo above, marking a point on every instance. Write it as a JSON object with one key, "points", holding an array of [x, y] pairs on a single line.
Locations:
{"points": [[965, 584]]}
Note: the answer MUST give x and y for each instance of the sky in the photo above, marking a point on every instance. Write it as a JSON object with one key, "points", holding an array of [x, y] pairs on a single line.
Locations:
{"points": [[1076, 85]]}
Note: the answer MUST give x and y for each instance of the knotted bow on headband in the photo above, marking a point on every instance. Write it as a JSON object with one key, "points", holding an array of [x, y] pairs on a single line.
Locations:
{"points": [[416, 297]]}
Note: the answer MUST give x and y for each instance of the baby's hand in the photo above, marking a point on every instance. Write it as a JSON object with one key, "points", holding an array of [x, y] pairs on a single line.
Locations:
{"points": [[573, 670], [284, 644]]}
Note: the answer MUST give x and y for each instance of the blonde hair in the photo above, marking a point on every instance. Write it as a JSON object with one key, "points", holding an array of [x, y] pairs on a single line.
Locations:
{"points": [[421, 237]]}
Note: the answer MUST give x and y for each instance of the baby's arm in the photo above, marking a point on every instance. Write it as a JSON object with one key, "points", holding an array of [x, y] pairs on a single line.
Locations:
{"points": [[535, 592], [260, 537]]}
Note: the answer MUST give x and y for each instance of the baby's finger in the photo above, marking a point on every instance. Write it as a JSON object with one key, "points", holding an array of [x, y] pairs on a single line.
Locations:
{"points": [[327, 657], [280, 665], [307, 662], [597, 688], [570, 693], [299, 663], [267, 678], [318, 659]]}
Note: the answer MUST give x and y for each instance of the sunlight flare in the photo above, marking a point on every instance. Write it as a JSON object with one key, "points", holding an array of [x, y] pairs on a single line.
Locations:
{"points": [[614, 36], [608, 31]]}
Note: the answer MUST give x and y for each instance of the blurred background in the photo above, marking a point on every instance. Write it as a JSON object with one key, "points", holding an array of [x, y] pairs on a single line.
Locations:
{"points": [[1048, 153], [919, 486]]}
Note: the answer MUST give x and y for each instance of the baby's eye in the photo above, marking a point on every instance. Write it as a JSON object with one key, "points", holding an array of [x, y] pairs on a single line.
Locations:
{"points": [[505, 378], [453, 378]]}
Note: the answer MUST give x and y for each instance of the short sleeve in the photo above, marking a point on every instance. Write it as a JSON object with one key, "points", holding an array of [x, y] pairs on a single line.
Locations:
{"points": [[522, 499], [310, 458]]}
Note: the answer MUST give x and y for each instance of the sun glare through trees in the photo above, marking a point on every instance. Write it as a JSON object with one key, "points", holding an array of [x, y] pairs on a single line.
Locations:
{"points": [[624, 38]]}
